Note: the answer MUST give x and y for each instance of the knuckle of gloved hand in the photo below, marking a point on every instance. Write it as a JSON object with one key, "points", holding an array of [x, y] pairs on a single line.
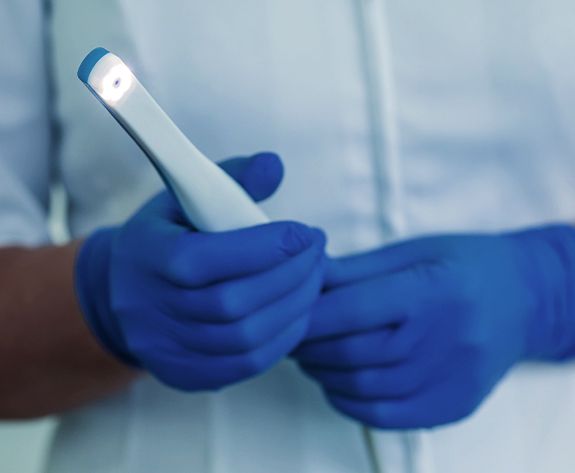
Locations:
{"points": [[228, 302], [183, 264], [251, 365], [361, 383], [247, 336]]}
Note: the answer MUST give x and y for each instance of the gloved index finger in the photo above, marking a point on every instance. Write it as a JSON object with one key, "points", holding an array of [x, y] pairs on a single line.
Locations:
{"points": [[389, 259], [368, 305], [201, 259]]}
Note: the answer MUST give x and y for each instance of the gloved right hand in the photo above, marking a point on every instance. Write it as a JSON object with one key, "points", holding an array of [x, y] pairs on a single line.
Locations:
{"points": [[201, 310]]}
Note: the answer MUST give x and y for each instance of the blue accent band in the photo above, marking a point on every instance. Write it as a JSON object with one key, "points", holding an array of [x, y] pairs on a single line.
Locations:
{"points": [[89, 62]]}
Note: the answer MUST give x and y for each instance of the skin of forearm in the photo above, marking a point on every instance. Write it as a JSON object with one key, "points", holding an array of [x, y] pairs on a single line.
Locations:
{"points": [[49, 360]]}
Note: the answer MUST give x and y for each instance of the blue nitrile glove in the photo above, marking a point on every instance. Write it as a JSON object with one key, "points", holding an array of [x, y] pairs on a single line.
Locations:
{"points": [[202, 310], [417, 334]]}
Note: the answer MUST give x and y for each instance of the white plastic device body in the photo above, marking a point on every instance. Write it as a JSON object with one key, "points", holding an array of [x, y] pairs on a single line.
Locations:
{"points": [[211, 200]]}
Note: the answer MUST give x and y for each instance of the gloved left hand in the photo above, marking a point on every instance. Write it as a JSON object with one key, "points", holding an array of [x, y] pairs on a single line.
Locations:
{"points": [[418, 334], [201, 311]]}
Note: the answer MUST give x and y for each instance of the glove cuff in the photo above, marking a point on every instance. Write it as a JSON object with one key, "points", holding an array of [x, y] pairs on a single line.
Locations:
{"points": [[91, 278], [550, 252]]}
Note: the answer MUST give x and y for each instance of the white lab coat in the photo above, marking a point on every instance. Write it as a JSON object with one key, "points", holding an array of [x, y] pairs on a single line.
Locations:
{"points": [[394, 118]]}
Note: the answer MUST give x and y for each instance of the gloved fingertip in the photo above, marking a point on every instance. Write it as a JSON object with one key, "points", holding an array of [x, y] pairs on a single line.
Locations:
{"points": [[263, 175], [298, 237], [268, 159], [319, 236]]}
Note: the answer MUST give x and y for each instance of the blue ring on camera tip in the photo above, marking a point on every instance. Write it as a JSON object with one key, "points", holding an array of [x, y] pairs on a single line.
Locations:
{"points": [[89, 62]]}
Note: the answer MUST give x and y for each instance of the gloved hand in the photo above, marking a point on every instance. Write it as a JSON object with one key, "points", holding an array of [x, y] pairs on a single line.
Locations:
{"points": [[417, 334], [201, 310]]}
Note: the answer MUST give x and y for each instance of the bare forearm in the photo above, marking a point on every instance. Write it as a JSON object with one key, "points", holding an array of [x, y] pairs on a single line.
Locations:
{"points": [[49, 361]]}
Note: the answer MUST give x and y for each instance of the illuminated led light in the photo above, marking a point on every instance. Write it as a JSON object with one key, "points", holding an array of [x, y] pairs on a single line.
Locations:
{"points": [[116, 83]]}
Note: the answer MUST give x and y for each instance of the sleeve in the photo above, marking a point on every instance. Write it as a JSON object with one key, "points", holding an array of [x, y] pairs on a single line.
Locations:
{"points": [[25, 125]]}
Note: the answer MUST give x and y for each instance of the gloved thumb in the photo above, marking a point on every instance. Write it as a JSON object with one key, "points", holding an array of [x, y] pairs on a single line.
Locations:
{"points": [[260, 175]]}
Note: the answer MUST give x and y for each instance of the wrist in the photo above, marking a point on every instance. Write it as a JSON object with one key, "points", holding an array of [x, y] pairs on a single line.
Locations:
{"points": [[548, 268], [93, 292]]}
